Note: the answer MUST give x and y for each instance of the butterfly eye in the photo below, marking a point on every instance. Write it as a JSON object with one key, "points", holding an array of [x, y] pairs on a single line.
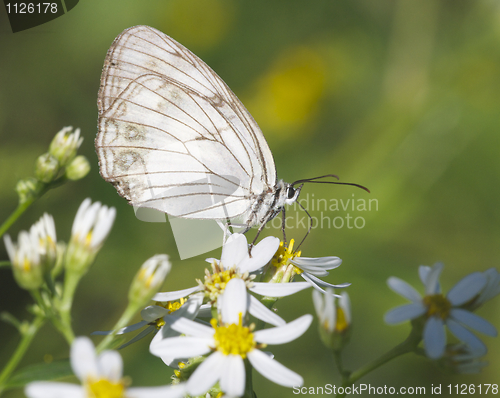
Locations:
{"points": [[290, 193]]}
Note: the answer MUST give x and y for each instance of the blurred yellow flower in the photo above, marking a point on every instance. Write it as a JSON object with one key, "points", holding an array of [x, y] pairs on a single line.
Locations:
{"points": [[287, 96]]}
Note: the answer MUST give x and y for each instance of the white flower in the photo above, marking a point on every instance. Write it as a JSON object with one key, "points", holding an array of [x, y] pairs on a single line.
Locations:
{"points": [[158, 318], [229, 344], [34, 253], [235, 262], [440, 311], [290, 263], [100, 375], [90, 228]]}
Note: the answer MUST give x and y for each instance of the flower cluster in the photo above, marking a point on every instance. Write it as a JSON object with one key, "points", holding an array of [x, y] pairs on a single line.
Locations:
{"points": [[213, 333]]}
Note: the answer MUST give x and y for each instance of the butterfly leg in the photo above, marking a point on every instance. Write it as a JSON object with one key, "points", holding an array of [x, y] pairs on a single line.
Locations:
{"points": [[283, 224]]}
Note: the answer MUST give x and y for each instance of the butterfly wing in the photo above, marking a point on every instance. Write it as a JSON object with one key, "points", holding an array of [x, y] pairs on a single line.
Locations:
{"points": [[173, 136]]}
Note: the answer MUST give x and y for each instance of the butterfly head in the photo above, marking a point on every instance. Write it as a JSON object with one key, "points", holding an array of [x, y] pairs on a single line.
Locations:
{"points": [[292, 193]]}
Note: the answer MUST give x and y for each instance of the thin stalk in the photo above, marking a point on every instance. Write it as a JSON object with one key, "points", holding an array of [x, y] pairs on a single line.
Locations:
{"points": [[122, 322], [20, 209]]}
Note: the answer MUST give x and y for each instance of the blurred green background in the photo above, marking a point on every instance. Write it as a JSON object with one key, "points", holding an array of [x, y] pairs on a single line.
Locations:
{"points": [[400, 96]]}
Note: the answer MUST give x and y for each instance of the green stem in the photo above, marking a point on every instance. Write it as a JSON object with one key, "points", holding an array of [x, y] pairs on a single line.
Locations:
{"points": [[71, 280], [27, 336], [409, 345], [122, 322], [337, 356], [21, 208], [248, 381]]}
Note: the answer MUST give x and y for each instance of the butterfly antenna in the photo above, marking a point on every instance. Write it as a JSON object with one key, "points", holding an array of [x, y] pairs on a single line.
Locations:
{"points": [[314, 180], [310, 227]]}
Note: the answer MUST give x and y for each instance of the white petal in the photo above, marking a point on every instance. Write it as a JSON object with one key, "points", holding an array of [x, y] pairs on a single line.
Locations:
{"points": [[432, 280], [181, 347], [260, 311], [466, 336], [273, 370], [325, 263], [232, 381], [234, 301], [110, 365], [404, 313], [473, 321], [307, 277], [234, 251], [191, 307], [434, 337], [286, 333], [423, 271], [262, 253], [103, 225], [175, 295], [80, 215], [189, 327], [319, 301], [403, 289], [153, 312], [51, 389], [345, 304], [311, 278], [205, 311], [278, 289], [170, 391], [467, 288], [207, 374], [83, 359]]}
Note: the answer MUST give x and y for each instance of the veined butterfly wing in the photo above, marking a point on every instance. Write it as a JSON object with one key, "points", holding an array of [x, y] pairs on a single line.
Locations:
{"points": [[173, 136]]}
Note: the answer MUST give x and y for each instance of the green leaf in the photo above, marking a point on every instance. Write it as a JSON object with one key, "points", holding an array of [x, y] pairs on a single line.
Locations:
{"points": [[42, 371]]}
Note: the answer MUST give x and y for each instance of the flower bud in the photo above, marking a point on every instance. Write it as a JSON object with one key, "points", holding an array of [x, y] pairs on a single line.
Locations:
{"points": [[149, 279], [27, 189], [25, 260], [64, 145], [45, 233], [47, 168], [334, 318], [78, 168]]}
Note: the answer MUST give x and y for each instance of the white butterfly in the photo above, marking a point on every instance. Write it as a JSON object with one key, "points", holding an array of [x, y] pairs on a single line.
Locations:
{"points": [[174, 137]]}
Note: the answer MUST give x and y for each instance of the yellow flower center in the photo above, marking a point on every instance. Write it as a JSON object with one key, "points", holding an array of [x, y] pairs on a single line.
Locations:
{"points": [[88, 239], [437, 305], [105, 389], [171, 306], [284, 254], [216, 282], [26, 265], [341, 324], [233, 339]]}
